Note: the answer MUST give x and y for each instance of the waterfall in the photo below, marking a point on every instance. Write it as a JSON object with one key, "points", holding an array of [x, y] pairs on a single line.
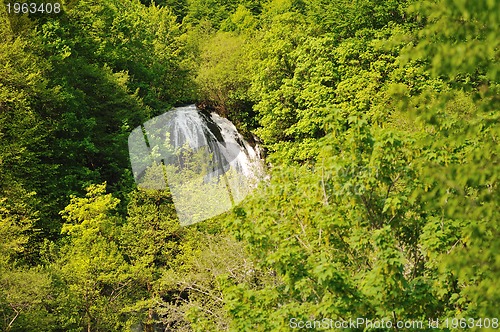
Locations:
{"points": [[200, 157]]}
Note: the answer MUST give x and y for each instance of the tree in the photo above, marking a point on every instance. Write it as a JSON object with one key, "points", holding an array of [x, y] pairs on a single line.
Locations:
{"points": [[94, 272], [24, 290], [462, 164]]}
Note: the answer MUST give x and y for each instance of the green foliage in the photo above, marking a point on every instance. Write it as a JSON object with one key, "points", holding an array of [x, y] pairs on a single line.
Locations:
{"points": [[91, 266], [380, 119], [178, 272], [23, 290], [223, 78], [468, 39], [23, 298], [405, 160], [214, 13]]}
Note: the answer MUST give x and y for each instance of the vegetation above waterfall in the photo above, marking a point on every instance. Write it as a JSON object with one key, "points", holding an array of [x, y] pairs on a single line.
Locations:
{"points": [[381, 124]]}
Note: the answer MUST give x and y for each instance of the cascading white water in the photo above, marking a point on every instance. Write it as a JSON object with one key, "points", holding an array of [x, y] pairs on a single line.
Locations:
{"points": [[248, 161], [208, 165]]}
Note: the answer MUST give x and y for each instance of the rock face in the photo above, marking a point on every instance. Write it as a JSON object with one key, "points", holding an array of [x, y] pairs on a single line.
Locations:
{"points": [[199, 156]]}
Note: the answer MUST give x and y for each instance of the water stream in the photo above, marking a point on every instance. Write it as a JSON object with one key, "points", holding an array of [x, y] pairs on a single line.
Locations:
{"points": [[200, 157]]}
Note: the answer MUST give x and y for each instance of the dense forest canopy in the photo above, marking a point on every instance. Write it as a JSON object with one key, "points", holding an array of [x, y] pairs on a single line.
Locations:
{"points": [[380, 121]]}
